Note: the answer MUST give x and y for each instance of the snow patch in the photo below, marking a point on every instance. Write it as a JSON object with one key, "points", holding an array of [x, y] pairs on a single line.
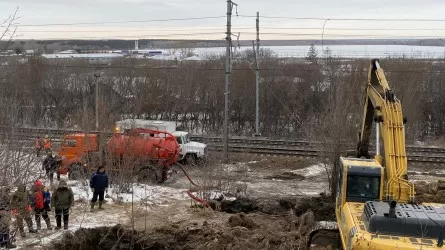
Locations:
{"points": [[239, 167], [326, 224], [142, 193], [311, 171]]}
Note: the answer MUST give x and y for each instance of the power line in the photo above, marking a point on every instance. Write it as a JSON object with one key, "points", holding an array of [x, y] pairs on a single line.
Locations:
{"points": [[237, 28], [149, 35], [336, 36], [352, 19], [347, 35], [319, 28], [121, 22], [128, 30]]}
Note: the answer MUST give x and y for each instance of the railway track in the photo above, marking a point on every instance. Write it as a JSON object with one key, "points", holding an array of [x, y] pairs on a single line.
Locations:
{"points": [[261, 146]]}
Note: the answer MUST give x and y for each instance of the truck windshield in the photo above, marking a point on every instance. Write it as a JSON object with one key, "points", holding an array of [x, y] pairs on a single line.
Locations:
{"points": [[69, 143], [363, 188], [178, 139], [186, 138]]}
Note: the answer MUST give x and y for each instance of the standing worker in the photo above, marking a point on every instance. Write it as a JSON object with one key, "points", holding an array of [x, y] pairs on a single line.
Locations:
{"points": [[38, 201], [39, 145], [98, 185], [51, 165], [5, 219], [20, 203], [47, 144], [63, 199]]}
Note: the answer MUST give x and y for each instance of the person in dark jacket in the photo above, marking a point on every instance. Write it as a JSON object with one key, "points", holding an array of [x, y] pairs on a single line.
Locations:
{"points": [[50, 165], [5, 219], [21, 204], [98, 185], [38, 204], [63, 199]]}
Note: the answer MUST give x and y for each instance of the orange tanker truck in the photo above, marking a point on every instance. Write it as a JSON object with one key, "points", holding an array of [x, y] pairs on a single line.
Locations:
{"points": [[149, 154]]}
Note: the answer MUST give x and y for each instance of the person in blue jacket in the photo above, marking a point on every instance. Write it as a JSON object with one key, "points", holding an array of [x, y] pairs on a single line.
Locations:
{"points": [[47, 198], [98, 185]]}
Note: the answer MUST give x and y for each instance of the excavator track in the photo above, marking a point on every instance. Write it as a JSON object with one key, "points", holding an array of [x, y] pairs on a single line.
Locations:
{"points": [[324, 239]]}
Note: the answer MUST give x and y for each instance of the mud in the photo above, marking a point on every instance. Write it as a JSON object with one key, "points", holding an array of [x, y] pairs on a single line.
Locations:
{"points": [[116, 237], [240, 231], [433, 192], [240, 205], [286, 176], [322, 206]]}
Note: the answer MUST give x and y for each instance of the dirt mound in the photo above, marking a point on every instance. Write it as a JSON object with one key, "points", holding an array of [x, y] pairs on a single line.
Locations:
{"points": [[322, 206], [241, 220], [240, 231], [116, 237], [286, 176], [240, 205], [430, 192]]}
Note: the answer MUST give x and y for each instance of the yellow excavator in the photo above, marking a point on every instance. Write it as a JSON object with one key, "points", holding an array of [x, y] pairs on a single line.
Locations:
{"points": [[375, 203]]}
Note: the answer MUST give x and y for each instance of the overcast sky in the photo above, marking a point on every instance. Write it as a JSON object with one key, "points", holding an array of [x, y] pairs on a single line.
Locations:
{"points": [[34, 12]]}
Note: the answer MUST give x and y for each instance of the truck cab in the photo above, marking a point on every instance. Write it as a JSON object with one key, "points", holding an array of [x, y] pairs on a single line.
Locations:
{"points": [[75, 151], [190, 151]]}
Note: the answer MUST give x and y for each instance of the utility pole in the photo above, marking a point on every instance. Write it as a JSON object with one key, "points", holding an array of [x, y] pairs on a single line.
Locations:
{"points": [[97, 75], [228, 76], [257, 77]]}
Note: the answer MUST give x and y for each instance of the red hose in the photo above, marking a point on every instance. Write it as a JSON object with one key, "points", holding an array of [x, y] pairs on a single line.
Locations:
{"points": [[188, 176], [189, 193], [204, 202]]}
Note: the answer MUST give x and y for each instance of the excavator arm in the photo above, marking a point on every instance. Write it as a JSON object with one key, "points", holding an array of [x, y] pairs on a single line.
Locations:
{"points": [[382, 107]]}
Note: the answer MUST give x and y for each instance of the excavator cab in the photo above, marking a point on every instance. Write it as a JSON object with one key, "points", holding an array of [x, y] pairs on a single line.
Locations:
{"points": [[360, 180]]}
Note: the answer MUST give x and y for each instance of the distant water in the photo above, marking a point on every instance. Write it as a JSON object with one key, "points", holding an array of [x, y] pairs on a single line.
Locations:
{"points": [[350, 51]]}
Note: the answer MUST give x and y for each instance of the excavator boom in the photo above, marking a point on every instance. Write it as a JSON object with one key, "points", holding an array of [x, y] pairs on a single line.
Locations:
{"points": [[383, 107]]}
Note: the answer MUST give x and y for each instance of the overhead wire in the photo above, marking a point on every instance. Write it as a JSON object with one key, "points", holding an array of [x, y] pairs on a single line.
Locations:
{"points": [[122, 22], [349, 19]]}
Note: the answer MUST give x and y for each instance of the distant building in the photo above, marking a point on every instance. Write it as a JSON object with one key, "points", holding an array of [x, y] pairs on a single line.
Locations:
{"points": [[95, 58]]}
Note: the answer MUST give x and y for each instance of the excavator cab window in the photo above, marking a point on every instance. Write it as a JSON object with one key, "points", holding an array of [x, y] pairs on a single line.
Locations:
{"points": [[362, 188]]}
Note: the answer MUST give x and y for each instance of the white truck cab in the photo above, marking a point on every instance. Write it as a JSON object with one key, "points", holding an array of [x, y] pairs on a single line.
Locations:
{"points": [[190, 151]]}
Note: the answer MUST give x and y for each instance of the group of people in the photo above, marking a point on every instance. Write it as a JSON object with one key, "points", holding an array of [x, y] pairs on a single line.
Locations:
{"points": [[38, 201]]}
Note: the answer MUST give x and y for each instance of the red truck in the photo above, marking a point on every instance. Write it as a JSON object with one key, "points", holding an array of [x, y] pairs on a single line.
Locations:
{"points": [[149, 154]]}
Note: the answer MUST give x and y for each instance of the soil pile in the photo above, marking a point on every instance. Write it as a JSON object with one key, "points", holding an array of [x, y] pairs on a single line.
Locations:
{"points": [[240, 231], [322, 206], [430, 192]]}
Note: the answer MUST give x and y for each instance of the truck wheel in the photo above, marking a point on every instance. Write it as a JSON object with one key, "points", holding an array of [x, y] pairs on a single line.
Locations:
{"points": [[75, 171], [149, 175], [190, 159]]}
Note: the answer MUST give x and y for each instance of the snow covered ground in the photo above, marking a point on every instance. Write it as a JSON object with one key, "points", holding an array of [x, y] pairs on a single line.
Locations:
{"points": [[118, 209], [311, 171], [118, 206]]}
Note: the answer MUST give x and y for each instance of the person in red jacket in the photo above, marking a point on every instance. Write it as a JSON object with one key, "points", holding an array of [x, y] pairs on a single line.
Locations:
{"points": [[38, 205], [39, 145], [47, 144]]}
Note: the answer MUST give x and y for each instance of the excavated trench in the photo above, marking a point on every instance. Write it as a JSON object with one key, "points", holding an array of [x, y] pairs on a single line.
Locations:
{"points": [[116, 237], [322, 206], [252, 225]]}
